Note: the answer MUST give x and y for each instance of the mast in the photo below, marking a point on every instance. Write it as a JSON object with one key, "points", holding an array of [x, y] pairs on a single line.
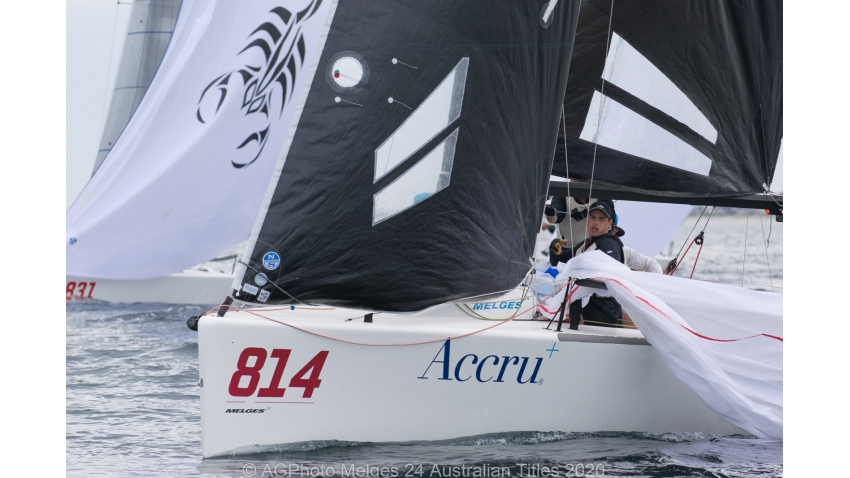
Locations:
{"points": [[148, 33]]}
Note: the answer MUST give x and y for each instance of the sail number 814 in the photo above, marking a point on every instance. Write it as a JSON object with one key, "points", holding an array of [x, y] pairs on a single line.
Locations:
{"points": [[306, 378]]}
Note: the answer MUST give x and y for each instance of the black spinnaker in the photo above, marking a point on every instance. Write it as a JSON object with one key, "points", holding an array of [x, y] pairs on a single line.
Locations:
{"points": [[418, 171], [692, 99]]}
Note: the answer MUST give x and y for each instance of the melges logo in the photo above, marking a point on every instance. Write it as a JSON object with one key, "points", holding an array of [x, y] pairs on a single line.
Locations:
{"points": [[489, 368], [505, 304]]}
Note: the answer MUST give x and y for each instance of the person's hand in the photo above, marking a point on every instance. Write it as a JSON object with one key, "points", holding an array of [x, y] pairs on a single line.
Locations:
{"points": [[578, 215], [556, 246], [549, 210]]}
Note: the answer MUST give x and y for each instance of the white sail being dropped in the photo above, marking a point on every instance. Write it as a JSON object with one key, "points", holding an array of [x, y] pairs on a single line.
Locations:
{"points": [[186, 177], [724, 342]]}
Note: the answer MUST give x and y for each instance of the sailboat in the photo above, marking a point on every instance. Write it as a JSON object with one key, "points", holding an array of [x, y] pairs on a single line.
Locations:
{"points": [[151, 23], [133, 216], [133, 234], [427, 133]]}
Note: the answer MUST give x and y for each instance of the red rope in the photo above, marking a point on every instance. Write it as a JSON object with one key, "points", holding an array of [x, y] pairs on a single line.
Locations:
{"points": [[441, 339], [683, 326], [696, 260], [679, 263]]}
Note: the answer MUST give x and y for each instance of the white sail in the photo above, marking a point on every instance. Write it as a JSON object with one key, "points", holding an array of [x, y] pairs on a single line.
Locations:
{"points": [[187, 176], [148, 33], [724, 342]]}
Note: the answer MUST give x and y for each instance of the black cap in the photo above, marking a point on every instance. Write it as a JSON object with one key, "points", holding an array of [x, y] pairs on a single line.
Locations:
{"points": [[603, 206]]}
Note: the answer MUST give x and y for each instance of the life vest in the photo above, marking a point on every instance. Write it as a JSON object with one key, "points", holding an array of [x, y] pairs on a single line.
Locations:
{"points": [[590, 245]]}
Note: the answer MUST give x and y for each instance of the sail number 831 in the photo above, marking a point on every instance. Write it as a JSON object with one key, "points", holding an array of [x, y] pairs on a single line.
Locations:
{"points": [[306, 378]]}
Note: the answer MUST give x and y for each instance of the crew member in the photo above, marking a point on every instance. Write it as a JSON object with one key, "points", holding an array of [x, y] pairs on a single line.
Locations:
{"points": [[573, 230], [603, 311]]}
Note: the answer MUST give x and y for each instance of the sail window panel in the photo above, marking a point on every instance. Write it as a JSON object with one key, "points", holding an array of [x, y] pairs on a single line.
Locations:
{"points": [[428, 176], [618, 127], [431, 117], [631, 71]]}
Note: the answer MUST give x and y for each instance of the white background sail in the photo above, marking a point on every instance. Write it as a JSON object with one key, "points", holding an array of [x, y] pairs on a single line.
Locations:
{"points": [[174, 191], [148, 33]]}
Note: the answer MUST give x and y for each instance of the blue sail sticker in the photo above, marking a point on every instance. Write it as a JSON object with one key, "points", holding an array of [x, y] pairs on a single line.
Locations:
{"points": [[271, 260]]}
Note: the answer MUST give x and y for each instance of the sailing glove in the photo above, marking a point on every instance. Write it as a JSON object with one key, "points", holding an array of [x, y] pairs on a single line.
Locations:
{"points": [[555, 247], [578, 215], [549, 210]]}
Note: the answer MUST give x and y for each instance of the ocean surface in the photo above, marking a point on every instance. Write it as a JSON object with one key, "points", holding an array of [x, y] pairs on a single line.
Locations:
{"points": [[133, 409]]}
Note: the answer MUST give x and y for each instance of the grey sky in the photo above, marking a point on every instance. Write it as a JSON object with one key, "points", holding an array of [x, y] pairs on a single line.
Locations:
{"points": [[89, 34]]}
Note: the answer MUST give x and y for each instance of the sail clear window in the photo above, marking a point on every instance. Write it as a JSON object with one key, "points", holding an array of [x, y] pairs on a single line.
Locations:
{"points": [[435, 114], [620, 128], [633, 72], [428, 176]]}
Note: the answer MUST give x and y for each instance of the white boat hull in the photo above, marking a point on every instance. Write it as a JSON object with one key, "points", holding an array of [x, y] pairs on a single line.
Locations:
{"points": [[187, 287], [597, 379]]}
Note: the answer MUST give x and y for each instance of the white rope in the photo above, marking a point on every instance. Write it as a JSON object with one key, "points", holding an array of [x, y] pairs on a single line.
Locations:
{"points": [[567, 165], [766, 256], [599, 116], [744, 262]]}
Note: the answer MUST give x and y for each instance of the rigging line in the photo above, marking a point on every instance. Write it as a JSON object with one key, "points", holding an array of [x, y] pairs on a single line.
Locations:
{"points": [[692, 229], [744, 262], [769, 232], [336, 339], [709, 218], [475, 315], [109, 70], [766, 256], [521, 224], [764, 148], [599, 116], [273, 283], [567, 165]]}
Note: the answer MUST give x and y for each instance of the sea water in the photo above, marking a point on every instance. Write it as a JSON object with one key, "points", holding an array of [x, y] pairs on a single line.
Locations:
{"points": [[133, 408]]}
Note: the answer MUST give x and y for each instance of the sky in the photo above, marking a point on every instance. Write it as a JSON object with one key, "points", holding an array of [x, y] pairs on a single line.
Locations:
{"points": [[91, 26]]}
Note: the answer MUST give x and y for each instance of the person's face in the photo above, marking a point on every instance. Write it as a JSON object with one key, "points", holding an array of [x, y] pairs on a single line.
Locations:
{"points": [[598, 223]]}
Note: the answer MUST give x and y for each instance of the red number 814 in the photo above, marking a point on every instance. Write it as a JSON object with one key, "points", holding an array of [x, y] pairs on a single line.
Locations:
{"points": [[300, 380]]}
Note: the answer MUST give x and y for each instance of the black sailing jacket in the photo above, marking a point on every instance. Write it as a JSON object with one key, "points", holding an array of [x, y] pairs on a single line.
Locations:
{"points": [[606, 243]]}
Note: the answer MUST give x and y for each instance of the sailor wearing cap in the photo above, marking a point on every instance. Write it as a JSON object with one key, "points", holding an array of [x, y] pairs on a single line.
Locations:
{"points": [[602, 311], [600, 221]]}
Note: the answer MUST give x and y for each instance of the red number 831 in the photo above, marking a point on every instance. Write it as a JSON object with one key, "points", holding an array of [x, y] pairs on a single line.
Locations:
{"points": [[306, 378]]}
